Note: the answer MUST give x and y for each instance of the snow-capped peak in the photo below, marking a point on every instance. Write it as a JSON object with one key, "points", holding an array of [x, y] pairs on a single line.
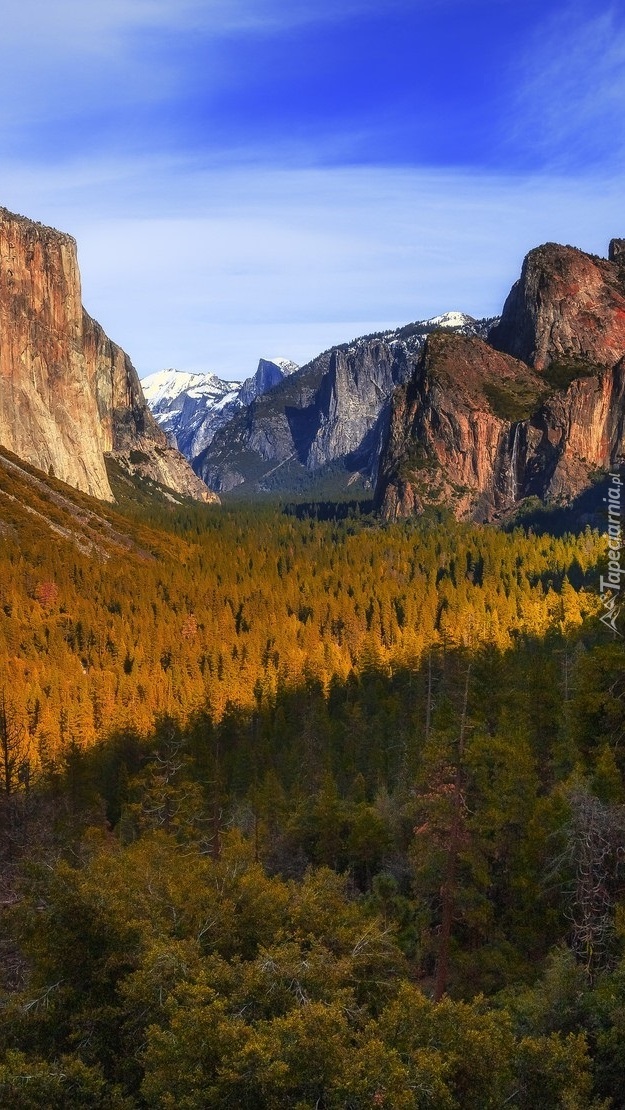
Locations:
{"points": [[450, 320], [165, 386], [191, 407], [287, 367]]}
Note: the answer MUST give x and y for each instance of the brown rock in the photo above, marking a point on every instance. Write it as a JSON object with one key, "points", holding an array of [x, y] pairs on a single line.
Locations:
{"points": [[459, 435], [68, 395], [566, 305], [576, 433], [48, 414], [451, 439]]}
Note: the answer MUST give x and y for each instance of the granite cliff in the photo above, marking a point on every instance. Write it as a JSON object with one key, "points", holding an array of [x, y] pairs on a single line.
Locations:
{"points": [[325, 422], [566, 304], [69, 396], [538, 410], [327, 414]]}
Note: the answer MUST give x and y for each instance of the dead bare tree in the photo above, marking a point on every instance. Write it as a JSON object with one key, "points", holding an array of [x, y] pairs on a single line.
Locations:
{"points": [[594, 855]]}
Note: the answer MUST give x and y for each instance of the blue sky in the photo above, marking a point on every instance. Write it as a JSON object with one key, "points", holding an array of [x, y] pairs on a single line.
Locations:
{"points": [[264, 177]]}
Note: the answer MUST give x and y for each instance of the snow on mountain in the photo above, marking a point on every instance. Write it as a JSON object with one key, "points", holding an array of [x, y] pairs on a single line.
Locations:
{"points": [[191, 407], [166, 387], [451, 320], [416, 334], [332, 414], [413, 336]]}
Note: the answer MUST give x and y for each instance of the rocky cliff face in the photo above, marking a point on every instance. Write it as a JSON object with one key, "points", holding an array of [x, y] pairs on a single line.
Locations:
{"points": [[269, 373], [48, 414], [328, 413], [68, 395], [536, 412], [565, 305], [450, 440], [331, 415]]}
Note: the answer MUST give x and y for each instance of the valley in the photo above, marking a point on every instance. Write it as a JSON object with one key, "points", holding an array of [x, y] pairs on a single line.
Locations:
{"points": [[312, 790]]}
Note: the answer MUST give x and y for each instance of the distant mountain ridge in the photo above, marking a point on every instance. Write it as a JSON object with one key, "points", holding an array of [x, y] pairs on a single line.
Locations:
{"points": [[191, 407], [472, 415], [327, 419]]}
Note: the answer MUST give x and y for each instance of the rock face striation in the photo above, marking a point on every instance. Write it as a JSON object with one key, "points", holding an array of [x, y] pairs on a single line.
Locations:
{"points": [[326, 421], [327, 414], [538, 410], [69, 396]]}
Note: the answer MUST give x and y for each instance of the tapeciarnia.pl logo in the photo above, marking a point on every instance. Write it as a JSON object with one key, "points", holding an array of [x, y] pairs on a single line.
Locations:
{"points": [[611, 586]]}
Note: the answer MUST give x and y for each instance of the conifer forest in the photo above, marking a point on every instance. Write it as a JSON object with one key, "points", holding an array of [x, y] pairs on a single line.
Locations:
{"points": [[302, 809]]}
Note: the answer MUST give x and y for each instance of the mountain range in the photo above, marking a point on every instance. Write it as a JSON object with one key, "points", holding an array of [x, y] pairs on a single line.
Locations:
{"points": [[473, 415], [536, 411], [324, 426], [191, 407]]}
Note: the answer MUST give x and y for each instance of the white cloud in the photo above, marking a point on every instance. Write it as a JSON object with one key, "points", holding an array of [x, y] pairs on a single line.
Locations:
{"points": [[58, 18], [68, 59], [58, 28], [211, 267]]}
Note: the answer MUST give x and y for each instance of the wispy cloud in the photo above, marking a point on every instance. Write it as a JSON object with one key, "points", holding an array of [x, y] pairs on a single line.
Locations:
{"points": [[59, 18], [262, 237], [569, 111], [88, 70], [59, 27], [137, 73]]}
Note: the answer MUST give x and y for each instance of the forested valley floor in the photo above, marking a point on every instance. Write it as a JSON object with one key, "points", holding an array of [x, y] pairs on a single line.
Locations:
{"points": [[306, 813]]}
